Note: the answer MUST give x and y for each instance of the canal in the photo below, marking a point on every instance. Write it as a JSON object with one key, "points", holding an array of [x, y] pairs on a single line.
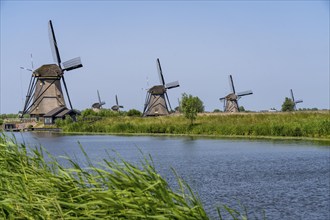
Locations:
{"points": [[284, 179]]}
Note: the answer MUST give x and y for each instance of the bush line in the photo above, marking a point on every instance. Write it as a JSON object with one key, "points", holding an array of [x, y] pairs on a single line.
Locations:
{"points": [[294, 124]]}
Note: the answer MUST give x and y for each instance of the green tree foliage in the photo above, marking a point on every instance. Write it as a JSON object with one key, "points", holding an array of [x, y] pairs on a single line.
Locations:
{"points": [[308, 109], [134, 112], [5, 116], [241, 108], [190, 106], [288, 105], [101, 113], [216, 110]]}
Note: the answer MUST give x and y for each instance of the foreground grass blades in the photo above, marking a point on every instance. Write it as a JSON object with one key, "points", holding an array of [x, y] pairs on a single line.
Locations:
{"points": [[31, 188]]}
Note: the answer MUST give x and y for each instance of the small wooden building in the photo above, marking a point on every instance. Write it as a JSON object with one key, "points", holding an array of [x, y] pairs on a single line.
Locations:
{"points": [[59, 113]]}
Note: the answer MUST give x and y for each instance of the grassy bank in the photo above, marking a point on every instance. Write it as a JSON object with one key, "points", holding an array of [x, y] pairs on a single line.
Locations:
{"points": [[32, 188], [310, 125]]}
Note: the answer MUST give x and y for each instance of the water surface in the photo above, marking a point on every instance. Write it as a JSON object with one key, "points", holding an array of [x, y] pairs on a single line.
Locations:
{"points": [[288, 180]]}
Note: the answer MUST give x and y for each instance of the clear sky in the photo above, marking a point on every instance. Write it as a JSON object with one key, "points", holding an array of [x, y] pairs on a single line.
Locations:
{"points": [[269, 47]]}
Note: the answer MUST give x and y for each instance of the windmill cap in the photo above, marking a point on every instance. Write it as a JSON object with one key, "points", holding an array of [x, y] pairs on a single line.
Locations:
{"points": [[157, 90], [48, 70]]}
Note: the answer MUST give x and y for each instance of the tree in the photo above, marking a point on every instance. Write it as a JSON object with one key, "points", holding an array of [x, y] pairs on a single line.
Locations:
{"points": [[241, 109], [190, 106], [288, 105]]}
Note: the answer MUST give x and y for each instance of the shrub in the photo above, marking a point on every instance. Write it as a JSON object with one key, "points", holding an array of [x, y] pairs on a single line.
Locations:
{"points": [[190, 106], [288, 105], [134, 112], [32, 188]]}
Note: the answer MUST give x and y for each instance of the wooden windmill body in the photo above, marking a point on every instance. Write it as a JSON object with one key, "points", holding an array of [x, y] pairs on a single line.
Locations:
{"points": [[45, 93], [231, 103], [155, 104], [48, 93], [231, 100]]}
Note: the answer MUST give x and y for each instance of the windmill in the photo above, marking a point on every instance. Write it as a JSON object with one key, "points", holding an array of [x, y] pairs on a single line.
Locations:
{"points": [[45, 92], [155, 104], [117, 106], [230, 101], [98, 105], [295, 101]]}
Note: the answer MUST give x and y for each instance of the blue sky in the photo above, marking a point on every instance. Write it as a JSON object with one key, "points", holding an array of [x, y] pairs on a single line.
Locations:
{"points": [[269, 47]]}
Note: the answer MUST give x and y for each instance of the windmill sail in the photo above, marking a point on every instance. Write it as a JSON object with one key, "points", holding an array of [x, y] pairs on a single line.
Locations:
{"points": [[231, 83], [160, 73], [53, 44], [98, 95], [172, 85], [248, 92], [72, 64], [292, 97], [295, 101]]}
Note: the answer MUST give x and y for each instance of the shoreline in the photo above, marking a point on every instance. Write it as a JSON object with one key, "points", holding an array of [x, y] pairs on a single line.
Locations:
{"points": [[232, 137]]}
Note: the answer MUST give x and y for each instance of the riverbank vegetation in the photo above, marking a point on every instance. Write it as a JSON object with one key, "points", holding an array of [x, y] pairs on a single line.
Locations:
{"points": [[291, 124], [35, 185], [33, 188]]}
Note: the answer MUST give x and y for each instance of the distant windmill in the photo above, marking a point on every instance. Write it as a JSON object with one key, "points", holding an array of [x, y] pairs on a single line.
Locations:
{"points": [[155, 104], [45, 92], [295, 101], [98, 105], [117, 106], [230, 101]]}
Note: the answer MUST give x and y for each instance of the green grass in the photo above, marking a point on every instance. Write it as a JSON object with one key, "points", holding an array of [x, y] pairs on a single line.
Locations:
{"points": [[313, 125], [32, 188], [36, 186]]}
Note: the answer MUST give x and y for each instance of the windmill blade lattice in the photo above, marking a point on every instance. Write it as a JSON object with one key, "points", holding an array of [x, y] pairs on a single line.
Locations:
{"points": [[72, 64], [248, 92], [231, 83], [172, 85], [160, 73], [53, 44]]}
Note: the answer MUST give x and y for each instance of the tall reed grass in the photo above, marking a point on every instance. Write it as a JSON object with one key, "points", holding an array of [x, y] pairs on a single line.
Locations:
{"points": [[33, 187]]}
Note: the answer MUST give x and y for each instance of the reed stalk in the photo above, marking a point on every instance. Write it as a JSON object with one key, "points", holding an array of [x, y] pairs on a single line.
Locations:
{"points": [[36, 186]]}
